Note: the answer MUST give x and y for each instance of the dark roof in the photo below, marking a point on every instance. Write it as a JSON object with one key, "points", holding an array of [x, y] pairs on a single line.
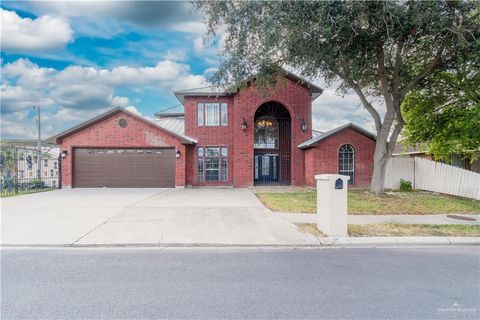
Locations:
{"points": [[212, 91], [313, 141], [57, 138]]}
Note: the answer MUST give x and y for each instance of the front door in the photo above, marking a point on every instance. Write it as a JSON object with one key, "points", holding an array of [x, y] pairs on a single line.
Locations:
{"points": [[266, 168]]}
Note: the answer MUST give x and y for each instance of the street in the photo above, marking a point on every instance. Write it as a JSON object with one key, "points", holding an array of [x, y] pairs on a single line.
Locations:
{"points": [[154, 283]]}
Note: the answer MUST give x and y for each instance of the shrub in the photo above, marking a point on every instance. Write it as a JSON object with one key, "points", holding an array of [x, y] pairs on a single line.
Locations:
{"points": [[37, 184], [405, 185]]}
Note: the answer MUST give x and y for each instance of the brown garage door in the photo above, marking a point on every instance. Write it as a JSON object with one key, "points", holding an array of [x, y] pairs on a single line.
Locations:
{"points": [[124, 168]]}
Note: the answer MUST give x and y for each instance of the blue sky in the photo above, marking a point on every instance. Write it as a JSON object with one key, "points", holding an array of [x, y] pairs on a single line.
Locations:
{"points": [[78, 59]]}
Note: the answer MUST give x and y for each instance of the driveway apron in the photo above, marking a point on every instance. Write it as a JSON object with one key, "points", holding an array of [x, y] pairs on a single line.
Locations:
{"points": [[192, 216]]}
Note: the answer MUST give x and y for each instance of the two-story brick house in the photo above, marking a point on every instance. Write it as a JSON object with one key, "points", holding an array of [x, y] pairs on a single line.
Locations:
{"points": [[234, 138]]}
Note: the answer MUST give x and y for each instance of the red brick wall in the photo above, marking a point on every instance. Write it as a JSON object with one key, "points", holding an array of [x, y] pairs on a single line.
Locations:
{"points": [[297, 100], [324, 157], [107, 133], [221, 136], [294, 97]]}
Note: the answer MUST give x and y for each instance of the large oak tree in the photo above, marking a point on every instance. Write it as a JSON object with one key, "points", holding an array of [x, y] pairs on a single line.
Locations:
{"points": [[379, 49]]}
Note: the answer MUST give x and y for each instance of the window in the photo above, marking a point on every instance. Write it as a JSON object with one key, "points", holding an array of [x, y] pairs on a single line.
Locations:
{"points": [[212, 164], [346, 162], [224, 113], [200, 114], [266, 133], [212, 114]]}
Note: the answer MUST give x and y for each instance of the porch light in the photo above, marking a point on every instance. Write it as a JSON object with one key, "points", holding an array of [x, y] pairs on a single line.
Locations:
{"points": [[244, 124], [177, 154], [64, 154], [304, 125]]}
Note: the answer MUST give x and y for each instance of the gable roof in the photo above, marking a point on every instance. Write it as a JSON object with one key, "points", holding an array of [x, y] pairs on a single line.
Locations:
{"points": [[57, 138], [209, 91], [313, 141]]}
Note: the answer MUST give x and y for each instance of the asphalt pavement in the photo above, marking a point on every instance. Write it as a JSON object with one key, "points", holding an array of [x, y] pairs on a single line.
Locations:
{"points": [[221, 283]]}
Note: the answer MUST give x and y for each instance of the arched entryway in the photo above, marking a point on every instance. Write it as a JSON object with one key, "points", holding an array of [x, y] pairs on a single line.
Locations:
{"points": [[272, 144]]}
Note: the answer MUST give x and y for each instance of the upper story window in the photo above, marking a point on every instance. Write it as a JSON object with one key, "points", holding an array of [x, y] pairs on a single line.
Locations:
{"points": [[346, 162], [266, 133], [212, 114]]}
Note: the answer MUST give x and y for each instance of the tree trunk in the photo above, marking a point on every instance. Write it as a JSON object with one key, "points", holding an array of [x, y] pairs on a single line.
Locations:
{"points": [[380, 160]]}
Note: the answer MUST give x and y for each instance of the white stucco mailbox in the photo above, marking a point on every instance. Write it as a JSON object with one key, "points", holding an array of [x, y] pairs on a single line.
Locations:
{"points": [[332, 204]]}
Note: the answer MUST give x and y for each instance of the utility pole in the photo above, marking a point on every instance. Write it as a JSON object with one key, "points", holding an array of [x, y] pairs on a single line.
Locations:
{"points": [[39, 144]]}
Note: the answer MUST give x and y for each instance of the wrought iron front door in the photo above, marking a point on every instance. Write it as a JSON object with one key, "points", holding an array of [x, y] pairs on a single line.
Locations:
{"points": [[266, 168]]}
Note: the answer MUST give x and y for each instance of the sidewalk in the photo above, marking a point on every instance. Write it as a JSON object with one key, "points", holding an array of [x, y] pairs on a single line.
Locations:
{"points": [[440, 219]]}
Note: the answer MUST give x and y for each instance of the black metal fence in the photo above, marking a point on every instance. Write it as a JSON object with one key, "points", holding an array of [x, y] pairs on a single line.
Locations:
{"points": [[26, 170]]}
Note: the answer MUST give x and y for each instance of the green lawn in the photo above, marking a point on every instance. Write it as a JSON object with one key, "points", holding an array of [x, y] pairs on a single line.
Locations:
{"points": [[364, 202], [405, 230]]}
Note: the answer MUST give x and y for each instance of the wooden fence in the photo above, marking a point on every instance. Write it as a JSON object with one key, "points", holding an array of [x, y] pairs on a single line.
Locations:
{"points": [[432, 176]]}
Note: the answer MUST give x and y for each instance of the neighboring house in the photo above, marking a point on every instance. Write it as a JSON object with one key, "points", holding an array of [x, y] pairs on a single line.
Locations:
{"points": [[19, 159], [216, 137], [421, 150]]}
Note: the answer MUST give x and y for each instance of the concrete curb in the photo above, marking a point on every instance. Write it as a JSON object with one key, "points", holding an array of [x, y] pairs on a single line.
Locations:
{"points": [[399, 241], [323, 242]]}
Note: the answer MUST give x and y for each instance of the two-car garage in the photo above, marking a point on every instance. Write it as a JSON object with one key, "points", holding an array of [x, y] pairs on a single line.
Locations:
{"points": [[119, 149], [124, 167]]}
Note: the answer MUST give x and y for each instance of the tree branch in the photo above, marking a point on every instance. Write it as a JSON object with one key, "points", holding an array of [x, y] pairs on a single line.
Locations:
{"points": [[366, 104], [393, 138], [397, 67], [428, 70], [382, 76]]}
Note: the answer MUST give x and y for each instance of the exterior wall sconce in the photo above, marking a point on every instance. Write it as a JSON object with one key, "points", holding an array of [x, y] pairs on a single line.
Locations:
{"points": [[244, 124], [304, 125], [64, 154], [177, 154]]}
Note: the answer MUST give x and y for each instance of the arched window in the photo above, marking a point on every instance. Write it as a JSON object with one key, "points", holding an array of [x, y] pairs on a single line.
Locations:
{"points": [[266, 133], [346, 162]]}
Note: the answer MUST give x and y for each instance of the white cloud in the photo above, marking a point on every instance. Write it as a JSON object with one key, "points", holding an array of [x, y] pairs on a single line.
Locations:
{"points": [[16, 98], [25, 34], [331, 110], [209, 71], [175, 55], [106, 19], [77, 93], [120, 102], [133, 110], [189, 27], [198, 45]]}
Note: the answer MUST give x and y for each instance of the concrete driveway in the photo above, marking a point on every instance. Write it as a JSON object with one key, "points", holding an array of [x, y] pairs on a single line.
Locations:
{"points": [[192, 216]]}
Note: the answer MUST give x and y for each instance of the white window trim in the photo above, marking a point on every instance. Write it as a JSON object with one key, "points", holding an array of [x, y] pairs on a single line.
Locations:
{"points": [[219, 119], [352, 171]]}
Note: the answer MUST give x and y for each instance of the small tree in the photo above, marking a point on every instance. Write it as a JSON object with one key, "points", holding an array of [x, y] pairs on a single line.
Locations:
{"points": [[379, 49]]}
